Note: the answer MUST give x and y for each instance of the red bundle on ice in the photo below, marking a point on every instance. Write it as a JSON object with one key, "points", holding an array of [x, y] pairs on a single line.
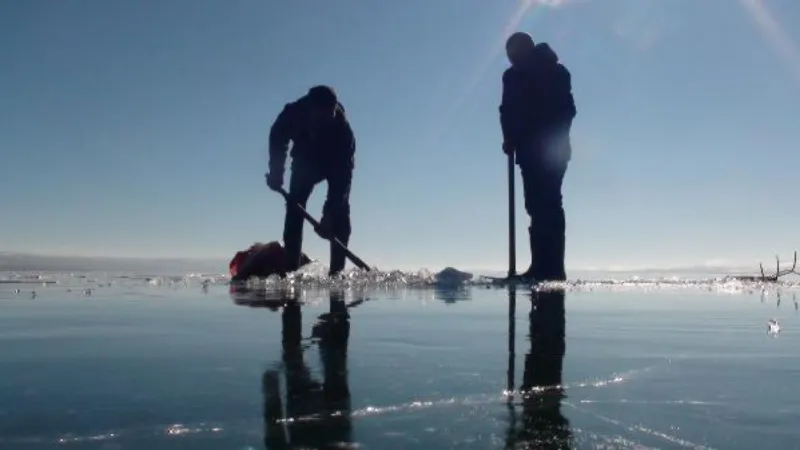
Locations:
{"points": [[260, 260]]}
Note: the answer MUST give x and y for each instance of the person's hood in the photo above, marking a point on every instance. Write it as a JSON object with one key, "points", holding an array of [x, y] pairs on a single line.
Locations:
{"points": [[545, 54], [305, 102], [542, 55], [340, 110]]}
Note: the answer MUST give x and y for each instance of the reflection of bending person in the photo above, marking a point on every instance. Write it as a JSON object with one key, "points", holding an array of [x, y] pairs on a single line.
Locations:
{"points": [[323, 410], [543, 425]]}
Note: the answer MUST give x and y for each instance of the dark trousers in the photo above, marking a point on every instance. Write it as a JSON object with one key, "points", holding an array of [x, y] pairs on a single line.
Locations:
{"points": [[543, 167], [335, 213]]}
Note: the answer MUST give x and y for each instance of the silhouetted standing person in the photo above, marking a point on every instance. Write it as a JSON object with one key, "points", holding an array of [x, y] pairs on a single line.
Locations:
{"points": [[536, 115], [323, 149]]}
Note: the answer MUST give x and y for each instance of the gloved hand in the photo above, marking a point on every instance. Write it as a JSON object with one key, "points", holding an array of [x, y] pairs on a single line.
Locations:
{"points": [[274, 181], [508, 148]]}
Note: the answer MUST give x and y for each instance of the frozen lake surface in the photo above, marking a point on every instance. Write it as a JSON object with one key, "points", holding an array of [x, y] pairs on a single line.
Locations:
{"points": [[107, 362]]}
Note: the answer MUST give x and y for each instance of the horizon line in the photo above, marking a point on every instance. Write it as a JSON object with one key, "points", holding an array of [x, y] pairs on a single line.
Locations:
{"points": [[155, 258], [713, 267]]}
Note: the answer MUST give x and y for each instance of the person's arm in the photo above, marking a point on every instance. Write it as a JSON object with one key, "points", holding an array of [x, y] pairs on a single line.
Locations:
{"points": [[511, 108], [565, 106], [279, 136], [348, 145], [345, 139]]}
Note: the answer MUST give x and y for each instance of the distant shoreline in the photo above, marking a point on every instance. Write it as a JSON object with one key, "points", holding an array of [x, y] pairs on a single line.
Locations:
{"points": [[31, 262], [10, 262]]}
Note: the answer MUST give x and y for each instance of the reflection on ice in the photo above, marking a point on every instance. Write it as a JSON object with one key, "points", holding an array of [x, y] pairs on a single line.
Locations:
{"points": [[453, 280]]}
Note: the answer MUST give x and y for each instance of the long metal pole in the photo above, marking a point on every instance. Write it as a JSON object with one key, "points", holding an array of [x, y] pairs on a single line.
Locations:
{"points": [[350, 255]]}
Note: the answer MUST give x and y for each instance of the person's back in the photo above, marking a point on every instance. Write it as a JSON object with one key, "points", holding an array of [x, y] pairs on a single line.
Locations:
{"points": [[537, 100], [329, 144], [554, 104]]}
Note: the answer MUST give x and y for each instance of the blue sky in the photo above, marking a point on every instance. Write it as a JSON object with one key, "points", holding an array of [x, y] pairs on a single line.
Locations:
{"points": [[140, 128]]}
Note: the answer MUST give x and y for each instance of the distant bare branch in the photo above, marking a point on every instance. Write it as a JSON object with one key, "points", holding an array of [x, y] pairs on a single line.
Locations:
{"points": [[772, 277]]}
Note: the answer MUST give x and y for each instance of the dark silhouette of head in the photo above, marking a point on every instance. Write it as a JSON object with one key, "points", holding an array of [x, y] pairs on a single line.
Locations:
{"points": [[322, 103], [518, 46]]}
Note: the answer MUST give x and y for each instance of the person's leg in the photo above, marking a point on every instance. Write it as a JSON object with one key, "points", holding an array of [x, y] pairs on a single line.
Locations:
{"points": [[529, 165], [304, 178], [558, 151], [548, 228], [542, 179], [555, 224], [336, 214], [529, 190]]}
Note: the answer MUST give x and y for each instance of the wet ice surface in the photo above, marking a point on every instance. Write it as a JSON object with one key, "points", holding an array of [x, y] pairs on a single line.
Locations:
{"points": [[109, 361]]}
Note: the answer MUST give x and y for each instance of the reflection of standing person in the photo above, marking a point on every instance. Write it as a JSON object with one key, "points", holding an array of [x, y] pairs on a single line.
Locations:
{"points": [[543, 424], [305, 397], [536, 116], [323, 149], [333, 332]]}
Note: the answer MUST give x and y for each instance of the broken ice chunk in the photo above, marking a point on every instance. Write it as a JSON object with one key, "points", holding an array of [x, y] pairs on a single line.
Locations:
{"points": [[773, 327]]}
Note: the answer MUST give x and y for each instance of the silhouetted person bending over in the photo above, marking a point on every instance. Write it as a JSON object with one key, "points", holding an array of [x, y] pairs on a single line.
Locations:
{"points": [[323, 149], [536, 115]]}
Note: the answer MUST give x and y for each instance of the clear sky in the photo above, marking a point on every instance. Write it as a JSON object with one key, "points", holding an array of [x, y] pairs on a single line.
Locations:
{"points": [[139, 128]]}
